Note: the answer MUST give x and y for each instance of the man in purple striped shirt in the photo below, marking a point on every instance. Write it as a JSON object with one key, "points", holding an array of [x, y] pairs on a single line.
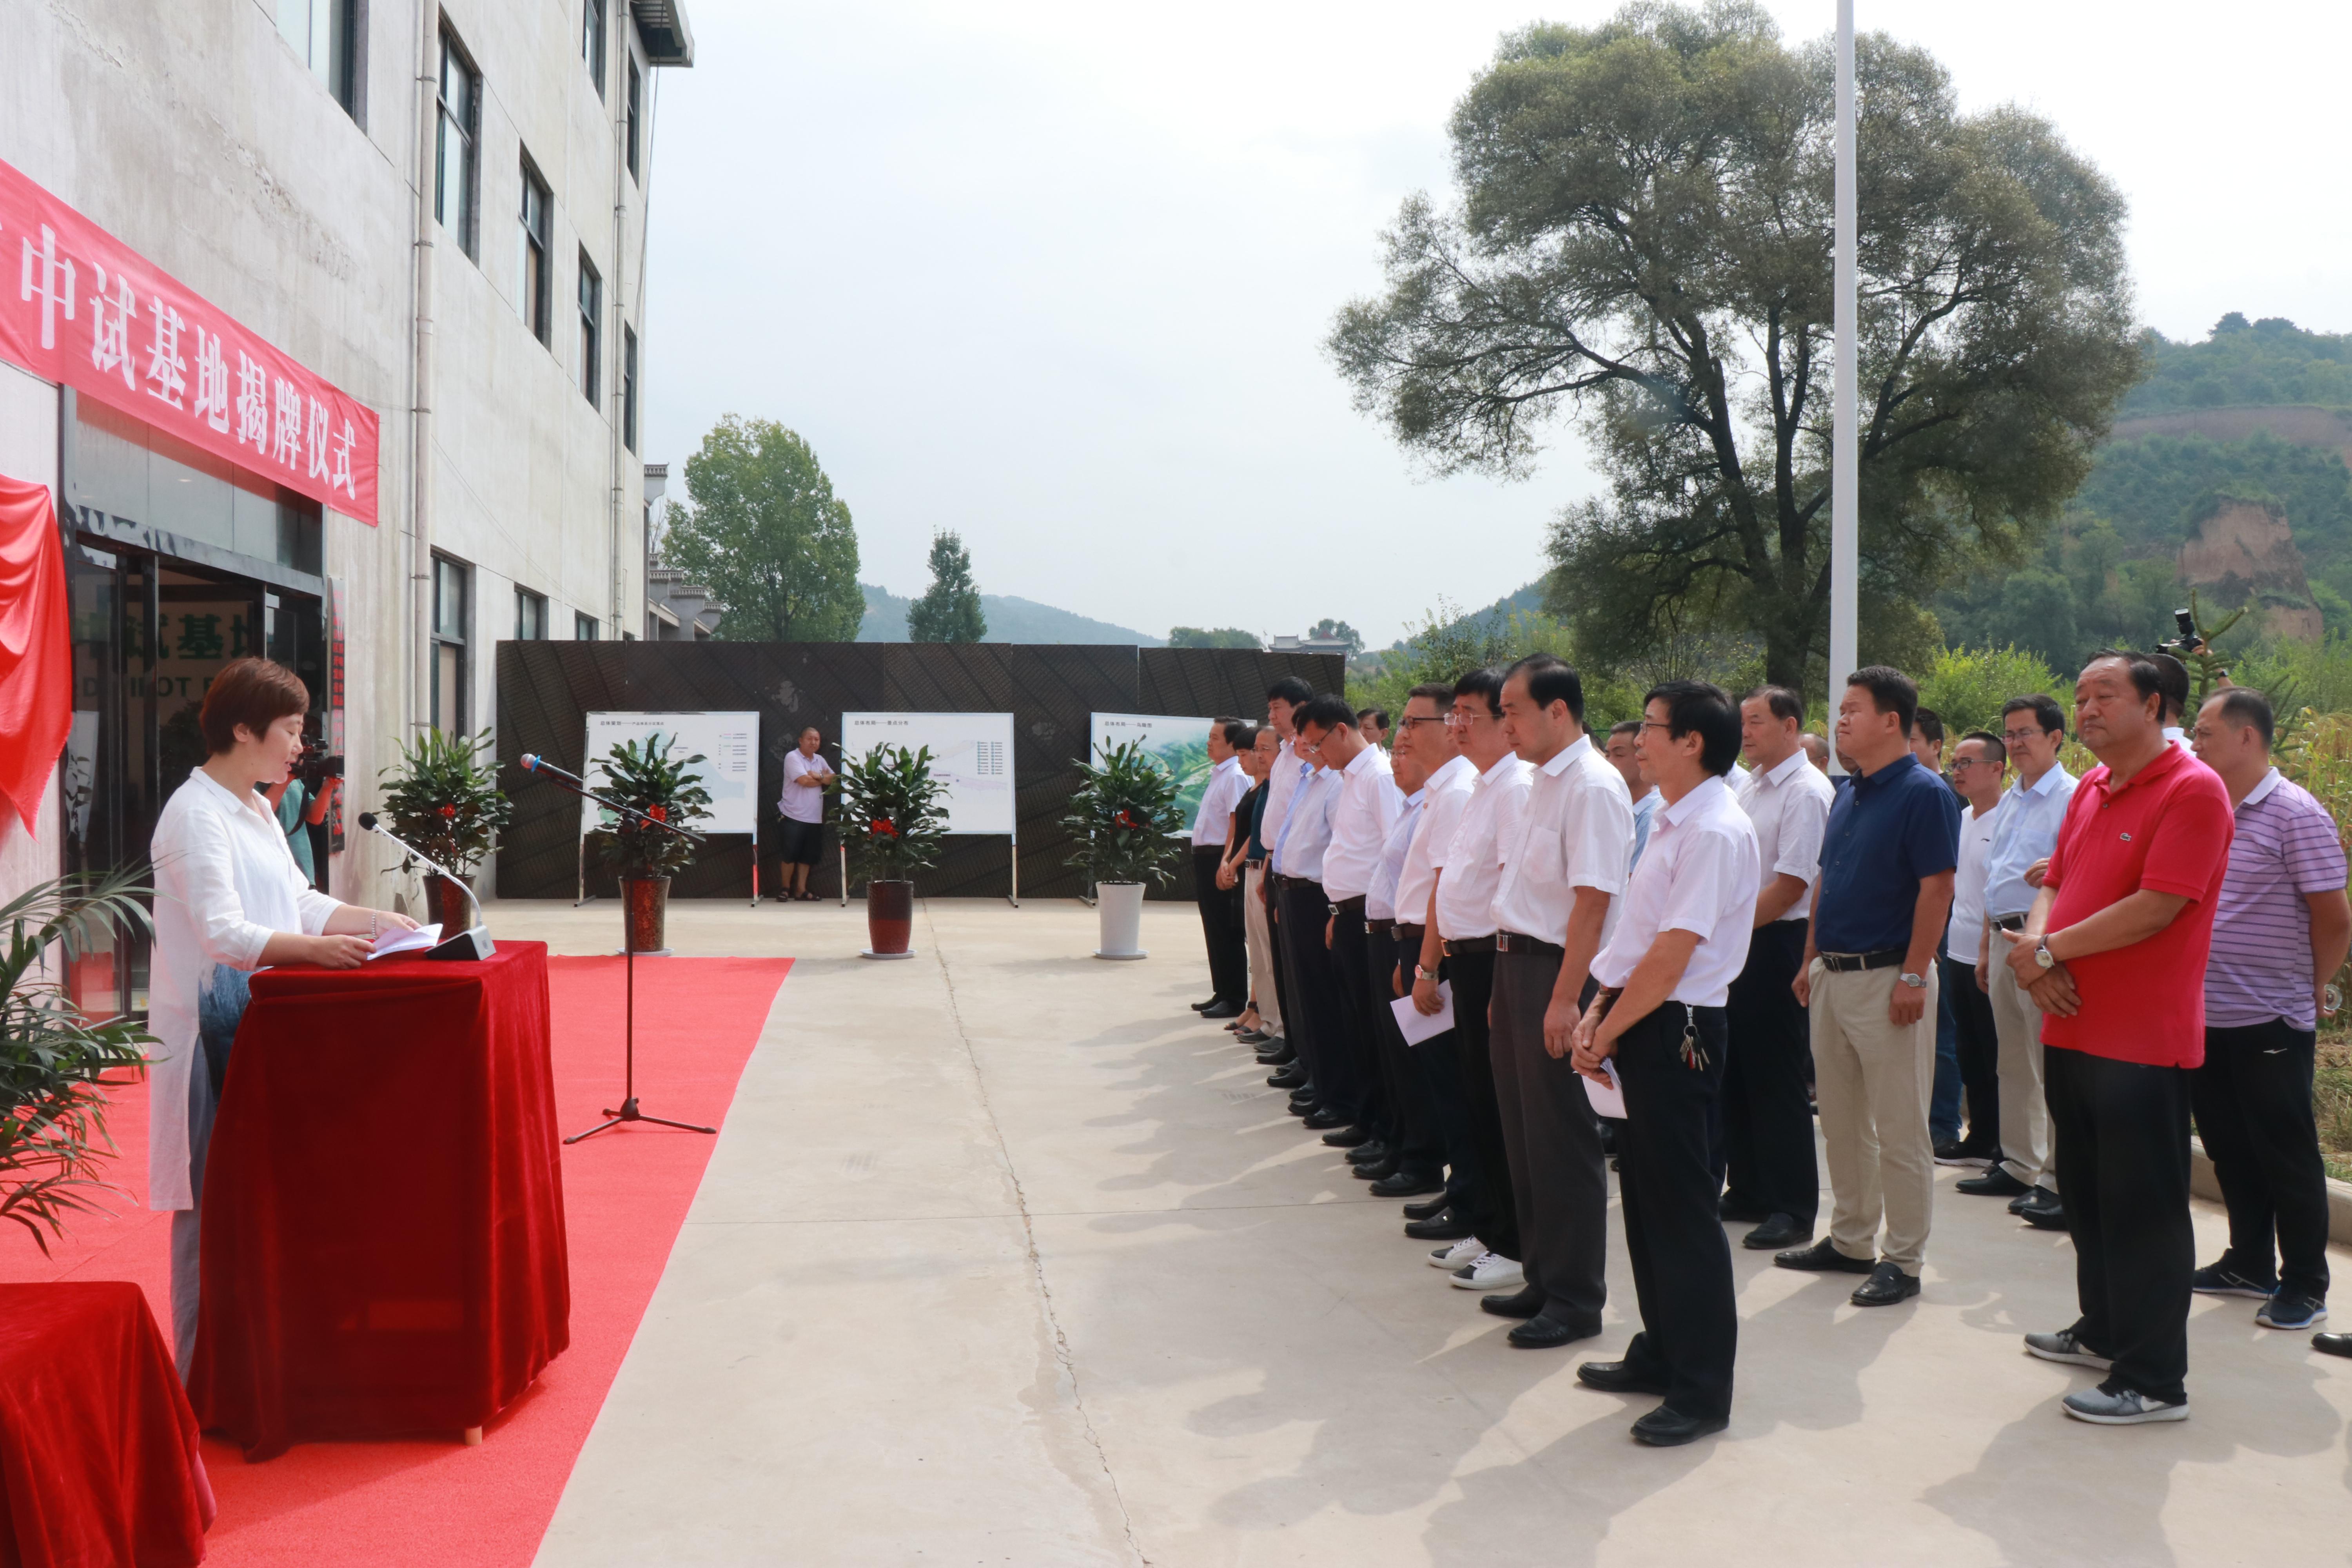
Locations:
{"points": [[2281, 929]]}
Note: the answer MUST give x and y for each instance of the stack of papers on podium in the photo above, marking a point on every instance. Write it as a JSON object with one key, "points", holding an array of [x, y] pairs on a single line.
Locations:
{"points": [[398, 941]]}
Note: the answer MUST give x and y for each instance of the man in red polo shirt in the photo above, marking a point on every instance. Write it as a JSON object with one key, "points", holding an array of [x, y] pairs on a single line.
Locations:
{"points": [[2113, 955]]}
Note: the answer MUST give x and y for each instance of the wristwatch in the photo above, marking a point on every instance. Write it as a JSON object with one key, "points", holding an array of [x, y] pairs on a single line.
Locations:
{"points": [[1420, 973], [2043, 956], [1916, 981]]}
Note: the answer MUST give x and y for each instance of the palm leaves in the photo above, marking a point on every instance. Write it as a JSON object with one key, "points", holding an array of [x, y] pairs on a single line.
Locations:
{"points": [[1124, 817]]}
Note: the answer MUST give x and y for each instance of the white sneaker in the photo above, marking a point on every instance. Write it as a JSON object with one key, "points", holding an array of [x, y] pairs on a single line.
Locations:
{"points": [[1491, 1271], [1456, 1255]]}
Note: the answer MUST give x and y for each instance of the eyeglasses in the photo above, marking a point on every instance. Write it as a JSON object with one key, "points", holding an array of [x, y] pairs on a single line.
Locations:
{"points": [[2020, 737], [1460, 721], [1409, 721]]}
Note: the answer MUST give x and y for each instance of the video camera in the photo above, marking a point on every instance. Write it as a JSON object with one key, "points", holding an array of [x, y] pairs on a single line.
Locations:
{"points": [[316, 766], [2187, 642]]}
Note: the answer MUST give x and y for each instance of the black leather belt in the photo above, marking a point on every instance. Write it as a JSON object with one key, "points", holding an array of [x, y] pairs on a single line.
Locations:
{"points": [[1379, 927], [2009, 923], [1354, 906], [1411, 933], [1512, 941], [1854, 962], [1469, 945]]}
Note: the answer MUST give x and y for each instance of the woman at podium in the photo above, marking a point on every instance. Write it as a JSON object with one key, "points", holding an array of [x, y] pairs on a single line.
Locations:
{"points": [[230, 900]]}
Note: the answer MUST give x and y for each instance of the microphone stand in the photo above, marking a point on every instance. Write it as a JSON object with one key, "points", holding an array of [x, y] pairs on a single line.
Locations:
{"points": [[474, 941], [628, 1110]]}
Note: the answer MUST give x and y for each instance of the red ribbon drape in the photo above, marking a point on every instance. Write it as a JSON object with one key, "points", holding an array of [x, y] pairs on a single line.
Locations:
{"points": [[36, 651]]}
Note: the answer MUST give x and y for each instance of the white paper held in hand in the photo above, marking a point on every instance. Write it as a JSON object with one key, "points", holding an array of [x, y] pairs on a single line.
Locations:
{"points": [[398, 941], [1608, 1099], [1417, 1025]]}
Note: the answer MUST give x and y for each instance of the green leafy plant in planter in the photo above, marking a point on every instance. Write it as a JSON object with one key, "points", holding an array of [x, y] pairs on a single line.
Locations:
{"points": [[1123, 815], [443, 797], [648, 778], [890, 818], [54, 1058]]}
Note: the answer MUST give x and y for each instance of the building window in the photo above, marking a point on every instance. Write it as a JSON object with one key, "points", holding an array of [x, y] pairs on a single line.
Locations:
{"points": [[591, 41], [456, 171], [636, 90], [583, 627], [530, 616], [450, 585], [530, 253], [629, 388], [325, 34], [592, 306]]}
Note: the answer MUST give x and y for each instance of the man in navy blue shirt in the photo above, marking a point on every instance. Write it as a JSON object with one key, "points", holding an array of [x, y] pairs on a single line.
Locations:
{"points": [[1869, 979]]}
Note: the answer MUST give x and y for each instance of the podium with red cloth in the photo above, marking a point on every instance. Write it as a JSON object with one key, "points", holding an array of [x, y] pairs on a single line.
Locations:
{"points": [[384, 1242], [99, 1461]]}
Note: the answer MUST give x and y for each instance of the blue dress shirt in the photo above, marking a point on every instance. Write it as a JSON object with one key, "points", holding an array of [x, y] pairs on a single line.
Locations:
{"points": [[1888, 833]]}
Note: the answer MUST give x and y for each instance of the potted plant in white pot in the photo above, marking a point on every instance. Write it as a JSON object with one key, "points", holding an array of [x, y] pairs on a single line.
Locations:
{"points": [[891, 820], [1125, 818], [647, 778], [443, 796]]}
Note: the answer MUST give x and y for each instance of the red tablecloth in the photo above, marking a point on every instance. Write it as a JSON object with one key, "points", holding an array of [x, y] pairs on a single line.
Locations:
{"points": [[98, 1447], [383, 1247]]}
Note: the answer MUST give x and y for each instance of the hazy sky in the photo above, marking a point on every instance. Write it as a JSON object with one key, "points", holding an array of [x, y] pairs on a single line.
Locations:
{"points": [[1057, 275]]}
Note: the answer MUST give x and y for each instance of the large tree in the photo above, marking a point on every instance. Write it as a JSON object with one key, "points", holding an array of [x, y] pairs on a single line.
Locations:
{"points": [[1642, 244], [766, 534], [949, 609]]}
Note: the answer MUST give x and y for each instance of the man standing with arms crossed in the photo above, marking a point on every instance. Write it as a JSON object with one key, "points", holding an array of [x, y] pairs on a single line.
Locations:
{"points": [[1884, 894], [1562, 873], [2114, 952], [1666, 977]]}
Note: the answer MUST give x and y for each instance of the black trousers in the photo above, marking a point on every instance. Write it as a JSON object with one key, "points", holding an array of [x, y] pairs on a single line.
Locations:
{"points": [[1412, 1126], [1220, 927], [1275, 936], [1437, 1070], [1351, 969], [2253, 1100], [1560, 1177], [2122, 1132], [1979, 1056], [1493, 1217], [1768, 1122], [1665, 1183], [1315, 1012]]}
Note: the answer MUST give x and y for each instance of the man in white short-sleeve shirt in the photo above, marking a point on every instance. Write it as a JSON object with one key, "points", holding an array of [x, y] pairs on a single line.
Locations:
{"points": [[1666, 977], [1221, 908], [1365, 805]]}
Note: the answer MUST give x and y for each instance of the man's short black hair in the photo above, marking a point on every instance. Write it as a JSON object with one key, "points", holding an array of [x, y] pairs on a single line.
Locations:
{"points": [[1783, 702], [2174, 684], [1928, 724], [1995, 747], [1248, 740], [1437, 691], [1891, 691], [1704, 707], [1238, 732], [1550, 680], [2044, 709], [1378, 717], [1328, 711], [1486, 683], [1624, 727], [2148, 677], [2243, 706], [1290, 689]]}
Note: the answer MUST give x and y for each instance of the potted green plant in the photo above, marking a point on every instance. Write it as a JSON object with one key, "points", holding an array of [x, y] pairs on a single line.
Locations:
{"points": [[443, 796], [1124, 816], [891, 820], [54, 1058], [667, 788]]}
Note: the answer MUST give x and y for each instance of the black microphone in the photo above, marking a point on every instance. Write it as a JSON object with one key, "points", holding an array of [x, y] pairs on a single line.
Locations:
{"points": [[367, 821]]}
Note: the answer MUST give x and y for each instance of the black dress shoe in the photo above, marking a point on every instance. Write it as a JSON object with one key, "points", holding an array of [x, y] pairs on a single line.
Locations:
{"points": [[1369, 1152], [1323, 1119], [1205, 1007], [1741, 1214], [1430, 1209], [1621, 1377], [1221, 1010], [1408, 1184], [1348, 1138], [1664, 1428], [1778, 1231], [1291, 1077], [2332, 1345], [1824, 1257], [1996, 1183], [2042, 1211], [1545, 1332], [1251, 1037], [1375, 1170], [1437, 1227], [1278, 1053], [1523, 1302], [1888, 1284]]}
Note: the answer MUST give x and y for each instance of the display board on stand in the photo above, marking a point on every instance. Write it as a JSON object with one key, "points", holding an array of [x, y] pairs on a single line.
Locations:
{"points": [[1178, 746], [729, 744], [971, 754]]}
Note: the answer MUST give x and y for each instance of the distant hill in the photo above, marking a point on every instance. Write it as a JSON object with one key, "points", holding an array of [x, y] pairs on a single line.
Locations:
{"points": [[1529, 598], [1009, 619]]}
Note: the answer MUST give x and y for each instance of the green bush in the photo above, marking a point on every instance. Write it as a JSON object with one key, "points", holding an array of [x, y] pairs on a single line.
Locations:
{"points": [[1966, 686], [891, 819], [1123, 815], [648, 779], [443, 798]]}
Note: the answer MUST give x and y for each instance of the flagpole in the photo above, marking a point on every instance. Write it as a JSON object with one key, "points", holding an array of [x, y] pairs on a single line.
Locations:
{"points": [[1844, 511]]}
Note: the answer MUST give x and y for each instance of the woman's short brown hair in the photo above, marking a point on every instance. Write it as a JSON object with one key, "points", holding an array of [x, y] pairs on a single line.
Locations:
{"points": [[254, 692]]}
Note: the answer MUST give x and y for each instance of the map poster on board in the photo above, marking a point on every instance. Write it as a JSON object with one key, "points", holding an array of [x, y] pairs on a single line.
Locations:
{"points": [[729, 744], [972, 754], [1180, 745]]}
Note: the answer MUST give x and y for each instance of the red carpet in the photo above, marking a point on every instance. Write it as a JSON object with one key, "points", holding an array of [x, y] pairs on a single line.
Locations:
{"points": [[387, 1505]]}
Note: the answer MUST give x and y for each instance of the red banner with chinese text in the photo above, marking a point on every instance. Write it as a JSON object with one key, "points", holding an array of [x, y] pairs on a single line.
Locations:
{"points": [[91, 312]]}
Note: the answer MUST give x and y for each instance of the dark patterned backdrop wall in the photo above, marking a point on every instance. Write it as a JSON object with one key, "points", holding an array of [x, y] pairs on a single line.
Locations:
{"points": [[546, 690]]}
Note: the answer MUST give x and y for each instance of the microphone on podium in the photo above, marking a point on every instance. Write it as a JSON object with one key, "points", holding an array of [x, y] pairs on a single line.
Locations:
{"points": [[474, 941]]}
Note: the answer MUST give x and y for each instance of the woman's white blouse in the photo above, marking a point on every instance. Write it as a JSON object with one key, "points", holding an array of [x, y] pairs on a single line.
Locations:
{"points": [[226, 882]]}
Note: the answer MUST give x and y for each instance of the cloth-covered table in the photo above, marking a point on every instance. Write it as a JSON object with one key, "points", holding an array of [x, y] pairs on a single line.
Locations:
{"points": [[98, 1446], [383, 1244]]}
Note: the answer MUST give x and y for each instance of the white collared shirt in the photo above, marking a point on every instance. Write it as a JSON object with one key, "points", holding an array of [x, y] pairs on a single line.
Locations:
{"points": [[1965, 934], [1282, 782], [1213, 822], [1307, 834], [1699, 873], [1443, 799], [1380, 899], [1473, 861], [2024, 829], [1366, 809], [1576, 830], [225, 882], [1789, 805]]}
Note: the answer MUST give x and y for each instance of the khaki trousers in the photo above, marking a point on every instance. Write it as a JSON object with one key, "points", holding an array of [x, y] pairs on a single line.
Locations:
{"points": [[1871, 1082], [2025, 1147], [1261, 950]]}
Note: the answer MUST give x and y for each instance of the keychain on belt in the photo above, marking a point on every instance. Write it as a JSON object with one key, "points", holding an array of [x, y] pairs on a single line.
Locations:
{"points": [[1694, 1054]]}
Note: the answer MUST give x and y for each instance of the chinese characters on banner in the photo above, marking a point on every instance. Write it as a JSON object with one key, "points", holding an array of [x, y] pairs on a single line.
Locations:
{"points": [[89, 312]]}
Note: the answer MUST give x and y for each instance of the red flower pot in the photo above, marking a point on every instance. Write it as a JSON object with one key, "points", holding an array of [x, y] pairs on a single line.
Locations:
{"points": [[889, 916], [645, 907]]}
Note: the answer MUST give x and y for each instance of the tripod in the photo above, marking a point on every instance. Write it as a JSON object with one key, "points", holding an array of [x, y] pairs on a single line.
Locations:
{"points": [[628, 1111]]}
